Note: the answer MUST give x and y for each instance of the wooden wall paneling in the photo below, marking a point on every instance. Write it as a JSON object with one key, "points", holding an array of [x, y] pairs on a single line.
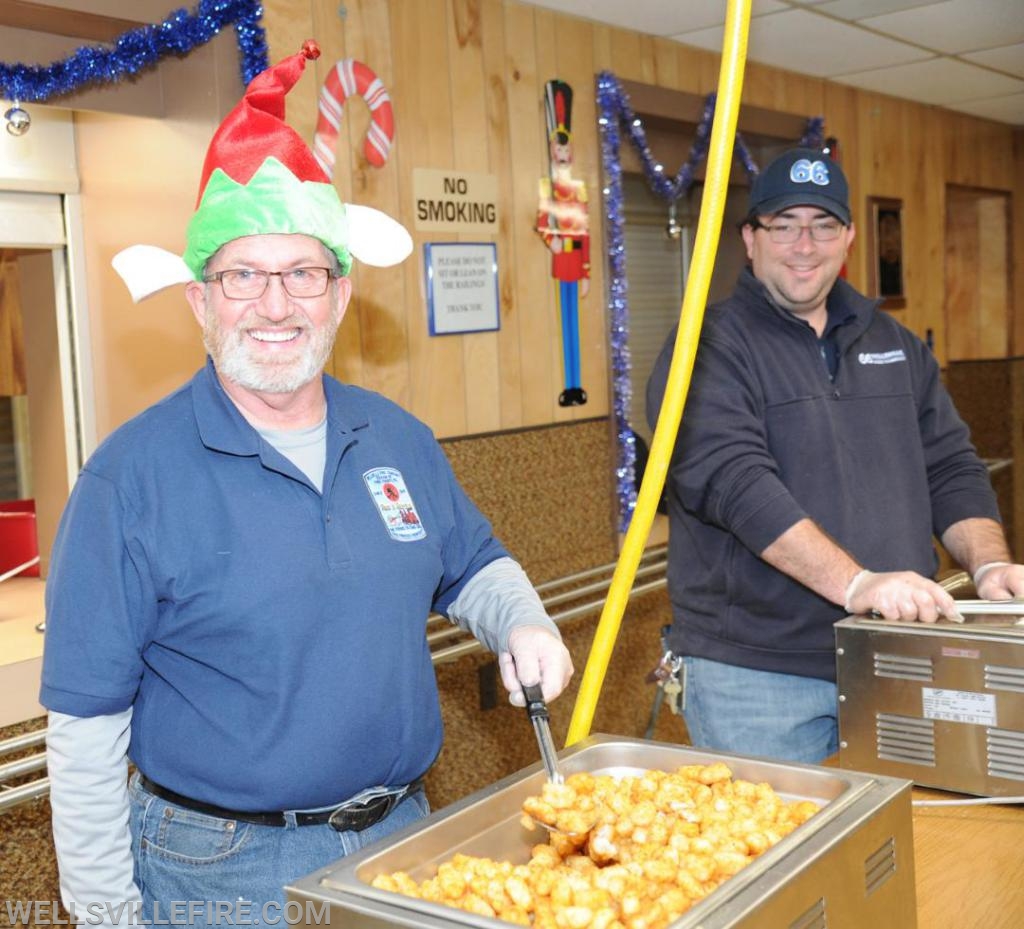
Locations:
{"points": [[993, 154], [140, 180], [423, 97], [993, 273], [534, 287], [839, 107], [694, 65], [909, 183], [601, 36], [548, 35], [962, 151], [509, 359], [1017, 455], [627, 52], [872, 127], [288, 24], [647, 65], [961, 267], [1018, 259], [703, 67], [664, 53], [471, 145], [925, 209], [889, 148], [576, 65], [378, 320], [783, 91], [12, 336], [346, 361]]}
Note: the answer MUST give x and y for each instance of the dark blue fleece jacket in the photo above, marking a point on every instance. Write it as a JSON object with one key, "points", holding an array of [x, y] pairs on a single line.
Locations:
{"points": [[878, 458]]}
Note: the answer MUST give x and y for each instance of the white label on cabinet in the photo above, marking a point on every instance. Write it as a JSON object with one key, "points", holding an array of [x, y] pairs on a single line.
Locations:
{"points": [[959, 706]]}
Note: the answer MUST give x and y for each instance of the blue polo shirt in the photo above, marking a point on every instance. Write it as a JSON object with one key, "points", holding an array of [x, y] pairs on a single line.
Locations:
{"points": [[270, 638]]}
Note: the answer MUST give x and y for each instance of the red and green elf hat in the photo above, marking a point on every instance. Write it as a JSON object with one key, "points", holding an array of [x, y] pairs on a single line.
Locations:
{"points": [[261, 178]]}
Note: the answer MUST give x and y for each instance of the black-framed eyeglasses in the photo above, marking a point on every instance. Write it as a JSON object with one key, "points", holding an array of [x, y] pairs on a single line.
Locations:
{"points": [[252, 283], [786, 233]]}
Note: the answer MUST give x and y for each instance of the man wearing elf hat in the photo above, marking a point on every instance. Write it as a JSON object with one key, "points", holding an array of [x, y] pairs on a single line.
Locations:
{"points": [[818, 457], [242, 575]]}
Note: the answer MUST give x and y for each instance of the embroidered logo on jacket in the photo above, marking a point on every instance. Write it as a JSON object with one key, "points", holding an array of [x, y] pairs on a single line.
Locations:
{"points": [[881, 358], [394, 503]]}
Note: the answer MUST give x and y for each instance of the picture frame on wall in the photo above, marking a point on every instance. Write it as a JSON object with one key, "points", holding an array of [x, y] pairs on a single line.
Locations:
{"points": [[885, 251], [462, 287]]}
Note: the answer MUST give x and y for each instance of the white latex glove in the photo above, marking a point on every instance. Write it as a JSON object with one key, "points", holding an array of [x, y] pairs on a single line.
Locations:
{"points": [[534, 655], [901, 595], [999, 580]]}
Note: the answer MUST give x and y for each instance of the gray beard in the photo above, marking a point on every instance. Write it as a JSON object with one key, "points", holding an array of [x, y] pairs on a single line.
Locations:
{"points": [[231, 359]]}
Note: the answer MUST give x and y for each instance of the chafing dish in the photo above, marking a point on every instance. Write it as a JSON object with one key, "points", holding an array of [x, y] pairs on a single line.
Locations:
{"points": [[849, 866], [941, 704]]}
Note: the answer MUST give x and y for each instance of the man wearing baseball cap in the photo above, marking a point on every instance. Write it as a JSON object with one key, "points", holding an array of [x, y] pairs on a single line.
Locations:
{"points": [[818, 455], [242, 577]]}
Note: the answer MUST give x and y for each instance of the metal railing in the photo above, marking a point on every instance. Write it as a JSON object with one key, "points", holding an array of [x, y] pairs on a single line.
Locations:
{"points": [[580, 594], [563, 590], [12, 796]]}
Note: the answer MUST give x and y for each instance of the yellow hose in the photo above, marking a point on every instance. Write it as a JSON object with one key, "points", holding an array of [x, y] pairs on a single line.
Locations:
{"points": [[716, 186]]}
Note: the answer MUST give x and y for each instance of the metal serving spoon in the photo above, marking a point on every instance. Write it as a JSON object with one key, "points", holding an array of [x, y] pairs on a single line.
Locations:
{"points": [[537, 710]]}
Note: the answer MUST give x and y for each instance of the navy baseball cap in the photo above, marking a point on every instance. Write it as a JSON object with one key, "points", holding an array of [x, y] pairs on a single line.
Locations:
{"points": [[801, 177]]}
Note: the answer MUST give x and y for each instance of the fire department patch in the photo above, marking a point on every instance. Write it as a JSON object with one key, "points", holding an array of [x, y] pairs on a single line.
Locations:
{"points": [[394, 503]]}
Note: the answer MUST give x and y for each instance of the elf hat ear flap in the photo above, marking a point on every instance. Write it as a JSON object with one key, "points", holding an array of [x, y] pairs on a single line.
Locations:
{"points": [[147, 269], [375, 238]]}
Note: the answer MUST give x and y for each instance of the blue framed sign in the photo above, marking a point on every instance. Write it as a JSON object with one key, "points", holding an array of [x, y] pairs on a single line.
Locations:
{"points": [[462, 287]]}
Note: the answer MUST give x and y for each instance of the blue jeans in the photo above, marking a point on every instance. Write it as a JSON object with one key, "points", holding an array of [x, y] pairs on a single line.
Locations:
{"points": [[780, 716], [237, 869]]}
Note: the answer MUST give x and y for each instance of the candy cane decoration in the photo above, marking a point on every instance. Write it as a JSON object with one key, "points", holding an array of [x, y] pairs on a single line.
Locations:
{"points": [[346, 78]]}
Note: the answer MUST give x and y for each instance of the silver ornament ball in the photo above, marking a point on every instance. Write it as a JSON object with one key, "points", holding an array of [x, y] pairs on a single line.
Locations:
{"points": [[673, 230], [18, 120]]}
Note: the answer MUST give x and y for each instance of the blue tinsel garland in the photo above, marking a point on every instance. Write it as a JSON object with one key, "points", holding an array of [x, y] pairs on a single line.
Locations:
{"points": [[615, 114], [139, 48]]}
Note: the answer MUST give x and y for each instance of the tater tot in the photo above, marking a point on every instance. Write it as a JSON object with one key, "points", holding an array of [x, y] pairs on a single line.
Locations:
{"points": [[632, 853]]}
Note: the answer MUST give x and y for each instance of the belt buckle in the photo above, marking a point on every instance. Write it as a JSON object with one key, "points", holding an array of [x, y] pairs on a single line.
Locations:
{"points": [[360, 816]]}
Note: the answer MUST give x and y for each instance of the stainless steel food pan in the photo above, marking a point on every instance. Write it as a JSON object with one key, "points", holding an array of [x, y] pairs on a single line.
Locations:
{"points": [[848, 867]]}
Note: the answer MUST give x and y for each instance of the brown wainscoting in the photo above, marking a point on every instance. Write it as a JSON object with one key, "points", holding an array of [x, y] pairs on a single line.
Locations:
{"points": [[548, 493]]}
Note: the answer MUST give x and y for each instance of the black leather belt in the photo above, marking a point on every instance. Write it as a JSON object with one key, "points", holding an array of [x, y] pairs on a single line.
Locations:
{"points": [[354, 817]]}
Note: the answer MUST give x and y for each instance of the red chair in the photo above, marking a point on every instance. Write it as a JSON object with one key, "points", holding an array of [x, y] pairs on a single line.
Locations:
{"points": [[18, 541]]}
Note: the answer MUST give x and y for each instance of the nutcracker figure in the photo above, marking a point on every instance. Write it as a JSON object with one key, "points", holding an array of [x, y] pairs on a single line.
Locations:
{"points": [[562, 223]]}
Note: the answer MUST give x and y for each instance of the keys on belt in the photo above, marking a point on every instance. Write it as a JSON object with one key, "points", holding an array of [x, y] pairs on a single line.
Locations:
{"points": [[669, 675]]}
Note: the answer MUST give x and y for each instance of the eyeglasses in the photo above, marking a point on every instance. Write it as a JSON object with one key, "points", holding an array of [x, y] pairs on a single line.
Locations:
{"points": [[822, 230], [251, 283]]}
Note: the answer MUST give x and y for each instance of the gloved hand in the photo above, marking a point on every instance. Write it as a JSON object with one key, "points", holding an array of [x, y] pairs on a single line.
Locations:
{"points": [[534, 655], [999, 580], [900, 595]]}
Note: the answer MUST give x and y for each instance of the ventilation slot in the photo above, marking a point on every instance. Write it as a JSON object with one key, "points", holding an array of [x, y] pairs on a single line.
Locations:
{"points": [[1005, 753], [905, 738], [880, 866], [998, 677], [903, 667], [814, 918]]}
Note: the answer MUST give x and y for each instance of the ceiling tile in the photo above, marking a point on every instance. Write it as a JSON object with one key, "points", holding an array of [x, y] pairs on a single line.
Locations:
{"points": [[956, 25], [656, 17], [858, 9], [822, 46], [1005, 109], [1009, 58], [941, 81]]}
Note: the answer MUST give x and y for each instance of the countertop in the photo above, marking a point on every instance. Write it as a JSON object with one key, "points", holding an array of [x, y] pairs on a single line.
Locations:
{"points": [[969, 864]]}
